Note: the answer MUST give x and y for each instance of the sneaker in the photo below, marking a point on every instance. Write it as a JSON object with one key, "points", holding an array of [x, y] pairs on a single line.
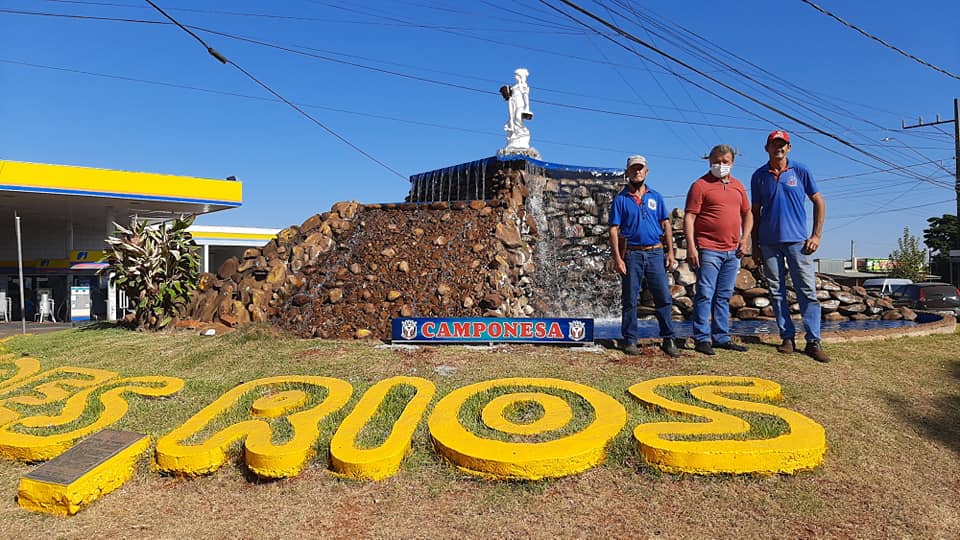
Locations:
{"points": [[670, 348], [704, 348], [815, 351], [731, 346], [789, 346], [631, 350]]}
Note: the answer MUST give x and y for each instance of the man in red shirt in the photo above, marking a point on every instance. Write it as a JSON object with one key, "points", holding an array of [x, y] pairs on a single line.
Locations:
{"points": [[717, 224]]}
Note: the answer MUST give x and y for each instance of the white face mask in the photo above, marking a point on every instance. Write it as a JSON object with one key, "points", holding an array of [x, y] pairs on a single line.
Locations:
{"points": [[720, 170]]}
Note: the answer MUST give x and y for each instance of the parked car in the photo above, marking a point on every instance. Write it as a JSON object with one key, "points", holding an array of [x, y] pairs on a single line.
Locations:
{"points": [[928, 296], [885, 286]]}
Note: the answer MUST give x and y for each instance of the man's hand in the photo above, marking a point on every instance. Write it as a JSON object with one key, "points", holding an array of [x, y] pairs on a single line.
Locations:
{"points": [[670, 261], [811, 245], [620, 266], [743, 248], [693, 258]]}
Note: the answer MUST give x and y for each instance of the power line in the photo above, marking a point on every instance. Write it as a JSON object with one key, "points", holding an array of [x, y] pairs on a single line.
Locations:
{"points": [[878, 40], [391, 72], [224, 60], [630, 37], [332, 109]]}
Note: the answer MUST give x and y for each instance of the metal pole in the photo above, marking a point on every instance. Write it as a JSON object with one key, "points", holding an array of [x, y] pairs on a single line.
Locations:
{"points": [[23, 310], [956, 163]]}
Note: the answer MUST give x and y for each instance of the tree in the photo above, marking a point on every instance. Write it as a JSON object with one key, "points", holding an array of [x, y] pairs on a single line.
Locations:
{"points": [[157, 267], [908, 258], [942, 235]]}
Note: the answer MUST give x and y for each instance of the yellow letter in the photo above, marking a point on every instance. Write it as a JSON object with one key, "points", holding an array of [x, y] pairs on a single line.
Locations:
{"points": [[383, 461], [526, 460], [263, 457], [801, 448], [18, 445]]}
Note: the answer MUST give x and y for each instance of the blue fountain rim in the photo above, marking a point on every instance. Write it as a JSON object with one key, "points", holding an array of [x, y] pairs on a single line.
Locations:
{"points": [[547, 166], [609, 329]]}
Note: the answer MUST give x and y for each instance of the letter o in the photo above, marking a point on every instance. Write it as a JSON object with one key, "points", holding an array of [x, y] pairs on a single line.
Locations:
{"points": [[567, 455]]}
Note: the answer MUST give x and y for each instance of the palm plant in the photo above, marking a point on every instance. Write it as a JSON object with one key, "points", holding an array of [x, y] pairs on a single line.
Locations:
{"points": [[157, 266]]}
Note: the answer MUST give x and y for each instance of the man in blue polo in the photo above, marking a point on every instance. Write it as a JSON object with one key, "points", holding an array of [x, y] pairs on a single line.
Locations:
{"points": [[641, 240], [779, 190]]}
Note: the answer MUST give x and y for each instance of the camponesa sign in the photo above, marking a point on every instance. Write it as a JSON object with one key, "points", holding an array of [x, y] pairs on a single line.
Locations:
{"points": [[486, 330]]}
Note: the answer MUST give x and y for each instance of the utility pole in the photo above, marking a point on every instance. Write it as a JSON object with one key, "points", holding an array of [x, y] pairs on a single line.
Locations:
{"points": [[956, 163]]}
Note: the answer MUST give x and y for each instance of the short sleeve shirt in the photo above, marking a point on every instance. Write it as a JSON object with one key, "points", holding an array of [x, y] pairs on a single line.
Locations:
{"points": [[783, 216], [720, 207], [639, 223]]}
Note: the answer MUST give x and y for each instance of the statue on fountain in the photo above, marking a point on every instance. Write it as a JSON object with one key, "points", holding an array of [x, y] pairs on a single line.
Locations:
{"points": [[518, 109]]}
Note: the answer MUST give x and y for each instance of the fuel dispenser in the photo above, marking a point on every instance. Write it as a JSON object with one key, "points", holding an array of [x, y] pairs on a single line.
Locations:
{"points": [[80, 301]]}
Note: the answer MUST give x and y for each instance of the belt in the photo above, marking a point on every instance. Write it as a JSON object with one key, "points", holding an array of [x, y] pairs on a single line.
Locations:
{"points": [[644, 248]]}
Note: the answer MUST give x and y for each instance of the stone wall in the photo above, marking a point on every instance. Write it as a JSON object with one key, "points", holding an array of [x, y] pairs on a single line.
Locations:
{"points": [[538, 247], [347, 272]]}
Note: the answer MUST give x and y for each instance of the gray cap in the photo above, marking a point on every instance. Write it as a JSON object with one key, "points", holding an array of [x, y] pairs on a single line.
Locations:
{"points": [[633, 160]]}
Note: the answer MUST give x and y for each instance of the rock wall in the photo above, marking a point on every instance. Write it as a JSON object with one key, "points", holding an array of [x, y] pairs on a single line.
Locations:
{"points": [[538, 247], [347, 272]]}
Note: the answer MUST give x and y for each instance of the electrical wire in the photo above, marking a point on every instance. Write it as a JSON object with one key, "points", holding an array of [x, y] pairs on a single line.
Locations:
{"points": [[249, 75], [878, 40], [630, 37]]}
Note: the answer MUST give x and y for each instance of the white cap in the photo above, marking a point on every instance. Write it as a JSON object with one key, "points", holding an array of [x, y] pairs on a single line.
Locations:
{"points": [[633, 160]]}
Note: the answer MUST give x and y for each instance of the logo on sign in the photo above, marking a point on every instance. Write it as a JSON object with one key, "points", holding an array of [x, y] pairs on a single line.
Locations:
{"points": [[577, 330], [409, 329]]}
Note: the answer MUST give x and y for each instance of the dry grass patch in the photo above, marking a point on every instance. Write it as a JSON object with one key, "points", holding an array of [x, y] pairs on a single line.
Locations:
{"points": [[891, 411]]}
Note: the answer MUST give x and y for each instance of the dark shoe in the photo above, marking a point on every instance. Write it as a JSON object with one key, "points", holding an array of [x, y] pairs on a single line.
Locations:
{"points": [[787, 347], [731, 346], [704, 348], [631, 350], [815, 351], [670, 348]]}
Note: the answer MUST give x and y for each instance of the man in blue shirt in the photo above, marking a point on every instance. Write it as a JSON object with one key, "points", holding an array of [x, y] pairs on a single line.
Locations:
{"points": [[641, 240], [779, 190]]}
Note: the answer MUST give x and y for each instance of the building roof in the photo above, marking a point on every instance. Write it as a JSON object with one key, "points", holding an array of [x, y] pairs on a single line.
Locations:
{"points": [[87, 193]]}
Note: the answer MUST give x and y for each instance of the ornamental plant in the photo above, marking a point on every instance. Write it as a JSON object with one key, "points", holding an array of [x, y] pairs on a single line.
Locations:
{"points": [[157, 265]]}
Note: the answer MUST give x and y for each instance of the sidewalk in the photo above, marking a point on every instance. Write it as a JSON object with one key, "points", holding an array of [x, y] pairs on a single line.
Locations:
{"points": [[14, 328]]}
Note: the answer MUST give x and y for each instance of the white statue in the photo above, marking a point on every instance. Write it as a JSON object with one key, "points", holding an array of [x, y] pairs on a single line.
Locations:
{"points": [[518, 106]]}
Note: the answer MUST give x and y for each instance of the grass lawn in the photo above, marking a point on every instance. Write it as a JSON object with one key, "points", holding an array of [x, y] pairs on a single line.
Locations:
{"points": [[891, 411]]}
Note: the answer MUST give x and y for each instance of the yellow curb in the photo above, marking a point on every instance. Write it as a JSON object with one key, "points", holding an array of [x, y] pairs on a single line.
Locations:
{"points": [[264, 458], [802, 447], [67, 500], [383, 461], [527, 461]]}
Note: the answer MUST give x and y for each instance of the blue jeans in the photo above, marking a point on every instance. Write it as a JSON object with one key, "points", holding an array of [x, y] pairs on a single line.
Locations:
{"points": [[649, 265], [778, 259], [715, 279]]}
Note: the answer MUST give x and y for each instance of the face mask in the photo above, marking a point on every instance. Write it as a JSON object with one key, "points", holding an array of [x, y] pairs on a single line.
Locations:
{"points": [[720, 170]]}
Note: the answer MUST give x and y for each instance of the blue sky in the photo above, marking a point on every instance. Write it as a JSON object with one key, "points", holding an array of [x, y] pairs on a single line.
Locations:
{"points": [[414, 84]]}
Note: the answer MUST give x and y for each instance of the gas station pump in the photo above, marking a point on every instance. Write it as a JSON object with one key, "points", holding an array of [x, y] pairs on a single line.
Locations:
{"points": [[80, 301]]}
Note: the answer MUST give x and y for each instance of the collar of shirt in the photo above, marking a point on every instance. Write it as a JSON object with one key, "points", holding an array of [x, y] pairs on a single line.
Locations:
{"points": [[638, 195], [776, 174]]}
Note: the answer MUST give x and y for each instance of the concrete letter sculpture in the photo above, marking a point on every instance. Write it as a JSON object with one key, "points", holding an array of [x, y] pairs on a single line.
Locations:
{"points": [[384, 460], [295, 398], [565, 455], [802, 447]]}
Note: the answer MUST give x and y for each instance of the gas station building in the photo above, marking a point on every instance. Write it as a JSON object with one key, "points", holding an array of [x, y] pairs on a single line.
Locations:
{"points": [[67, 212]]}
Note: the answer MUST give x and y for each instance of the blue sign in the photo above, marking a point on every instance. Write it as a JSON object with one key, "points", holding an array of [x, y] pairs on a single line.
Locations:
{"points": [[487, 330]]}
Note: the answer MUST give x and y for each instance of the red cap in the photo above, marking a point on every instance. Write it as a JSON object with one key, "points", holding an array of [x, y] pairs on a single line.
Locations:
{"points": [[778, 134]]}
